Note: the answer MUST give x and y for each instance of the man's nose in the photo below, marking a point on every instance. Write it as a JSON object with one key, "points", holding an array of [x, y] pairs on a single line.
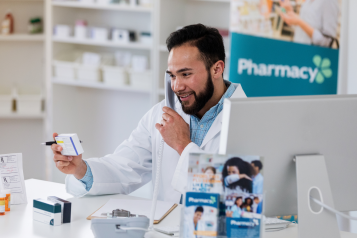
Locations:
{"points": [[178, 85]]}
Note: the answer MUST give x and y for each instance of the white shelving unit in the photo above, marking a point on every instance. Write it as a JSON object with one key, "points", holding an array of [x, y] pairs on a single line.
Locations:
{"points": [[98, 85], [96, 111], [22, 37], [131, 45], [114, 7], [22, 116], [65, 97], [22, 65]]}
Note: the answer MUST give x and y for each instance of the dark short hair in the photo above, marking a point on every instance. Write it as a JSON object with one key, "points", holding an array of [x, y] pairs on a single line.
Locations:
{"points": [[207, 39], [199, 209], [258, 164], [244, 168]]}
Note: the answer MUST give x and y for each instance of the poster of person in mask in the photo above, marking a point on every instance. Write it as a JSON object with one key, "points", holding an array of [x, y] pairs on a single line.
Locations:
{"points": [[240, 181]]}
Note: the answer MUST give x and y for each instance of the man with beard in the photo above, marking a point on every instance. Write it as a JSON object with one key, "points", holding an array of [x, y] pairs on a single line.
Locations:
{"points": [[195, 64]]}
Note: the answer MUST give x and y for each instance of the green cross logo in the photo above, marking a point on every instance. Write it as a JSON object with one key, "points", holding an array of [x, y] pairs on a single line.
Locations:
{"points": [[323, 66], [213, 200]]}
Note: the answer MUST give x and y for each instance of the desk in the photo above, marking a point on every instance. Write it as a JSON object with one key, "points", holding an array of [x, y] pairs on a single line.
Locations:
{"points": [[19, 223]]}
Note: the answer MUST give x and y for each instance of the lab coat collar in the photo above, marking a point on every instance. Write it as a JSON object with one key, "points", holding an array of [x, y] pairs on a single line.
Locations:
{"points": [[217, 124]]}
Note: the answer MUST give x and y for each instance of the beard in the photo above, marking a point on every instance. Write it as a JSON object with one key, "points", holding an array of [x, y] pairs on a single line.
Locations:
{"points": [[201, 99]]}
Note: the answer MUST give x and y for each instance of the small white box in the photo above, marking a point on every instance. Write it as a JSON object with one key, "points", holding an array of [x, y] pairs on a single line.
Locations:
{"points": [[80, 32], [89, 67], [65, 65], [28, 102], [114, 75], [139, 63], [120, 36], [70, 143], [99, 34], [62, 31], [104, 2], [47, 212], [141, 80]]}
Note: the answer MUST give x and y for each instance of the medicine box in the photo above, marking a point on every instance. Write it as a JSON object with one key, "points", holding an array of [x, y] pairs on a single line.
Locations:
{"points": [[140, 79], [65, 208], [28, 101], [47, 212], [114, 75], [70, 143]]}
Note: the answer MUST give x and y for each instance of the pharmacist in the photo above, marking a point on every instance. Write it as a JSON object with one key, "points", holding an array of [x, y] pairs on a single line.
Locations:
{"points": [[196, 64], [317, 23]]}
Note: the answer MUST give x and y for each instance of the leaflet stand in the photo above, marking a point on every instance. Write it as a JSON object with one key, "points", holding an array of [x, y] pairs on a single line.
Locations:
{"points": [[312, 180]]}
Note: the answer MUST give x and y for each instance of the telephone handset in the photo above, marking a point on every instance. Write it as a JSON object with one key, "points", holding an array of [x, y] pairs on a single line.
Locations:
{"points": [[169, 94], [169, 102]]}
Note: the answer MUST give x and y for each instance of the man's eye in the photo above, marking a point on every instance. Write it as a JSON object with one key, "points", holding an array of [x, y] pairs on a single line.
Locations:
{"points": [[185, 75]]}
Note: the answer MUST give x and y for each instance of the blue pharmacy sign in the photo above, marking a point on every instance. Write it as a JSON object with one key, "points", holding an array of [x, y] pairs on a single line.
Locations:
{"points": [[267, 67]]}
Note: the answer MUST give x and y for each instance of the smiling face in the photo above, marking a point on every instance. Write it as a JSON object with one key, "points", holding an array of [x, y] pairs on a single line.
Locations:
{"points": [[197, 216], [232, 170], [190, 79], [239, 202]]}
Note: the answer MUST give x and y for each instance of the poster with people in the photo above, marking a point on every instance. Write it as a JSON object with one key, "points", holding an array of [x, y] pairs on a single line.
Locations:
{"points": [[285, 47], [239, 181]]}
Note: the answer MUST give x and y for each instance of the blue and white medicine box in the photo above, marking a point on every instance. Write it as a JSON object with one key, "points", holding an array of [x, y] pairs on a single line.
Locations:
{"points": [[47, 212], [66, 208], [201, 214], [70, 143]]}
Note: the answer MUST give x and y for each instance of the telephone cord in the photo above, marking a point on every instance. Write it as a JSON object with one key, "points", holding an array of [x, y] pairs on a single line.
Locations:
{"points": [[156, 188]]}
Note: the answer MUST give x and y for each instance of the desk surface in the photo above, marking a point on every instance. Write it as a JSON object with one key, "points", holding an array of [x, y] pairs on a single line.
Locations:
{"points": [[19, 223]]}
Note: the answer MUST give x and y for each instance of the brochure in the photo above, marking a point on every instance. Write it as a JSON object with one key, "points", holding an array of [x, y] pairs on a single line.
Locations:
{"points": [[201, 215], [239, 182]]}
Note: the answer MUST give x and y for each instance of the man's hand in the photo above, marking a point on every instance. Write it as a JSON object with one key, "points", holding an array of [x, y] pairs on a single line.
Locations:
{"points": [[174, 130], [68, 164]]}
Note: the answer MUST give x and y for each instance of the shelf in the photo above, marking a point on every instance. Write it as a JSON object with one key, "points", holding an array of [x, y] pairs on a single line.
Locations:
{"points": [[221, 1], [20, 1], [22, 116], [115, 7], [22, 37], [131, 45], [98, 85]]}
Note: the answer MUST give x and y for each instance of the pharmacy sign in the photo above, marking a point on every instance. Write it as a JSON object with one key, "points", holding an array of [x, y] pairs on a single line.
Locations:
{"points": [[267, 67]]}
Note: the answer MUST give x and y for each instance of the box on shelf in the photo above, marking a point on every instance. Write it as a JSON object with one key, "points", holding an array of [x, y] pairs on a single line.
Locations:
{"points": [[62, 31], [28, 102], [140, 79], [99, 34], [65, 65], [112, 74], [89, 67], [6, 98]]}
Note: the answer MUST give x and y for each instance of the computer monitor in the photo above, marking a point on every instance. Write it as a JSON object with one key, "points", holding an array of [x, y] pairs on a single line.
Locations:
{"points": [[278, 128]]}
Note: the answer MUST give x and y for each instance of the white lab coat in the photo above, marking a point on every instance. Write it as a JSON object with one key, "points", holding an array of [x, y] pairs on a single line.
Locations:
{"points": [[133, 163], [189, 229]]}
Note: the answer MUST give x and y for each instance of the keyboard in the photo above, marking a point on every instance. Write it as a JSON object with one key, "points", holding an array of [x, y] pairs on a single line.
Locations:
{"points": [[275, 224]]}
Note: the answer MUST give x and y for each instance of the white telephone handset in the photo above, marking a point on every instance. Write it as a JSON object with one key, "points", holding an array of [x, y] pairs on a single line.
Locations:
{"points": [[169, 102], [169, 94]]}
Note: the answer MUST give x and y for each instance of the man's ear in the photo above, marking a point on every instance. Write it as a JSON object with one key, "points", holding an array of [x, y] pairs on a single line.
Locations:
{"points": [[217, 69]]}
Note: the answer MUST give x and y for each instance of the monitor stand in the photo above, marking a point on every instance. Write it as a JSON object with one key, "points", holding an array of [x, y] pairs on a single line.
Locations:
{"points": [[312, 180]]}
